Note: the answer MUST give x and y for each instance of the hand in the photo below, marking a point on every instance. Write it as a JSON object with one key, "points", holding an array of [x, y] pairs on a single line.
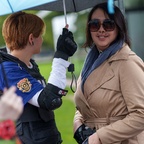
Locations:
{"points": [[82, 133], [77, 124], [93, 139], [66, 46], [11, 105]]}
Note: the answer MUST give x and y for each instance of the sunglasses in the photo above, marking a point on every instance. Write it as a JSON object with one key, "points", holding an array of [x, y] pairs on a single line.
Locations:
{"points": [[95, 24]]}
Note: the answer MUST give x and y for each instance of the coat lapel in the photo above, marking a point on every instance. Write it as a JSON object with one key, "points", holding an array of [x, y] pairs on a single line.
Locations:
{"points": [[104, 72], [98, 77]]}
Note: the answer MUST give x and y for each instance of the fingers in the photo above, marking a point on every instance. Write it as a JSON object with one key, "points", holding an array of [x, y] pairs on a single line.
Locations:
{"points": [[12, 89], [67, 26], [70, 34], [65, 31], [11, 104], [17, 108]]}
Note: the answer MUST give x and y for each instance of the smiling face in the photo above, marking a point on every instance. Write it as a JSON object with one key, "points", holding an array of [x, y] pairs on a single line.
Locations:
{"points": [[102, 38]]}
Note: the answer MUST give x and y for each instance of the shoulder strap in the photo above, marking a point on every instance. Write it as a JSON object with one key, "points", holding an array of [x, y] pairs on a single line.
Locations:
{"points": [[7, 57], [3, 49]]}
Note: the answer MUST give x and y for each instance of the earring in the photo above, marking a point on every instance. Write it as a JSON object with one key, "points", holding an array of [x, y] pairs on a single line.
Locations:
{"points": [[32, 43]]}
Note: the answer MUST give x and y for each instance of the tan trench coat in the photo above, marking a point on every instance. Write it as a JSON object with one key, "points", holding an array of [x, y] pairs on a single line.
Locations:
{"points": [[113, 100]]}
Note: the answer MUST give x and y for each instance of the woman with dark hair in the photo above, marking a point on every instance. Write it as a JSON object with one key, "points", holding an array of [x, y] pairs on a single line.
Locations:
{"points": [[110, 93]]}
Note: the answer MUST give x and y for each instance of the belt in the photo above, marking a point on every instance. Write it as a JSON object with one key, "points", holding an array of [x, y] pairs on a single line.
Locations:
{"points": [[107, 120]]}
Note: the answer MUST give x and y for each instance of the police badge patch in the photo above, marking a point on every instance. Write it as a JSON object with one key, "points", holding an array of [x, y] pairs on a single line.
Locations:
{"points": [[24, 85]]}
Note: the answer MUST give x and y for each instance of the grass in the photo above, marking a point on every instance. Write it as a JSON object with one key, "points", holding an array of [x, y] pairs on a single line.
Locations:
{"points": [[64, 115], [64, 118], [7, 142]]}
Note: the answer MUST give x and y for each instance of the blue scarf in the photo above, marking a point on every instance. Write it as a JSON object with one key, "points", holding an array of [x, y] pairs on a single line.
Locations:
{"points": [[94, 59]]}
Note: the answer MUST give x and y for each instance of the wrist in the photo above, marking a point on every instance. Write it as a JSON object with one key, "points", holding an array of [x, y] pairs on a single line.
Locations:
{"points": [[59, 54], [60, 63], [77, 124]]}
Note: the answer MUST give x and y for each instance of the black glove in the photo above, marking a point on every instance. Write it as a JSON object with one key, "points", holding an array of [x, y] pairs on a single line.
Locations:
{"points": [[82, 133], [66, 46], [50, 97]]}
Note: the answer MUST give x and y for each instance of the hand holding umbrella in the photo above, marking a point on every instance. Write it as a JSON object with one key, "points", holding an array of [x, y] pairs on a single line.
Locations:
{"points": [[66, 46]]}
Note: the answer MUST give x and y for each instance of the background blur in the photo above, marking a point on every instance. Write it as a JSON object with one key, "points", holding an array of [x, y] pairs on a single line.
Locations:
{"points": [[55, 21]]}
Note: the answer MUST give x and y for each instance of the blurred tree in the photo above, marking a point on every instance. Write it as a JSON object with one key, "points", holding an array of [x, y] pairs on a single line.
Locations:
{"points": [[80, 28], [48, 37], [133, 4], [2, 18]]}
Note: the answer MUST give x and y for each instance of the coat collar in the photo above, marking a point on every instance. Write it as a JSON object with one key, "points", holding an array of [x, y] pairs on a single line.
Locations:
{"points": [[122, 54], [105, 70]]}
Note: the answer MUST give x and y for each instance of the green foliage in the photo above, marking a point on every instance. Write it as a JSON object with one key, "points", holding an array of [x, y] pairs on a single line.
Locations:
{"points": [[129, 4], [45, 69], [48, 37], [2, 18], [80, 24], [7, 142]]}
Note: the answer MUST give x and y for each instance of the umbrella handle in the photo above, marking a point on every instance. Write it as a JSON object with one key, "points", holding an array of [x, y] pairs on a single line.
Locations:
{"points": [[64, 6]]}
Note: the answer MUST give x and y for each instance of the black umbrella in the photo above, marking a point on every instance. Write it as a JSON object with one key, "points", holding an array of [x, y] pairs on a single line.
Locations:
{"points": [[72, 5]]}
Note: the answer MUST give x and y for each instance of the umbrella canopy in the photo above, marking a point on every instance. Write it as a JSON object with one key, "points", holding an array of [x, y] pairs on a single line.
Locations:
{"points": [[71, 5], [11, 6]]}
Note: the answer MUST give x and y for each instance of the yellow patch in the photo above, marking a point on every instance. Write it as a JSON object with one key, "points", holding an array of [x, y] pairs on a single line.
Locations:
{"points": [[24, 85]]}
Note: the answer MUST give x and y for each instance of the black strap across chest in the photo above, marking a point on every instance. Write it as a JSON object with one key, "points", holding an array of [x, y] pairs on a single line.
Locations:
{"points": [[30, 113]]}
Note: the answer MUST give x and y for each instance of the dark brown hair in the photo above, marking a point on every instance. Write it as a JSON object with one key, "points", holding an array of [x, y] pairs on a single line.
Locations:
{"points": [[118, 18]]}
